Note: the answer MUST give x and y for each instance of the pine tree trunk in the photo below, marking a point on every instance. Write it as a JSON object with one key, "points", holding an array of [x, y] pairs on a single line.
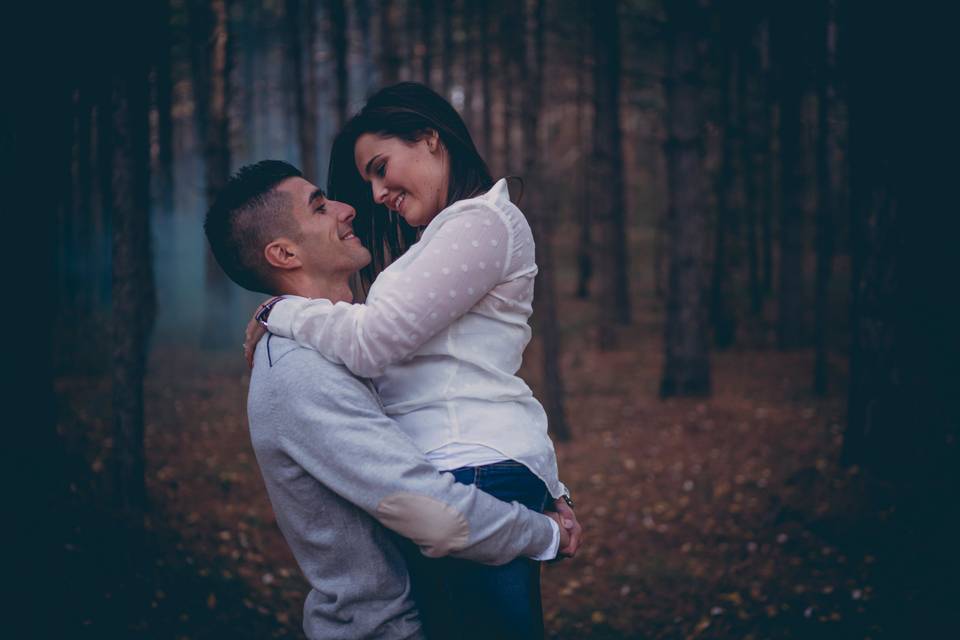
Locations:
{"points": [[585, 241], [338, 31], [686, 368], [608, 184], [754, 110], [485, 84], [545, 300], [133, 288], [164, 92], [904, 418], [368, 68], [389, 55], [301, 34], [721, 315], [769, 183], [426, 38], [507, 70], [447, 59], [789, 58], [825, 200], [216, 146]]}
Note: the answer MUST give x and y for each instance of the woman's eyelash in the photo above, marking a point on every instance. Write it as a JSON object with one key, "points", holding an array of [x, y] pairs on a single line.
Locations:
{"points": [[382, 169]]}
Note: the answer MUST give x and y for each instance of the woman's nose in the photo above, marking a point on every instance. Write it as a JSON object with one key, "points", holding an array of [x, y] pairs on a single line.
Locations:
{"points": [[380, 192]]}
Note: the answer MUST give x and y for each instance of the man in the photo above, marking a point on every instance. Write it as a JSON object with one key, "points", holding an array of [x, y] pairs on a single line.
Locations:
{"points": [[332, 462]]}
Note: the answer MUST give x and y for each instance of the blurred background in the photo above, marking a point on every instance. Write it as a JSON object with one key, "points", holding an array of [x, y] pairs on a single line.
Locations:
{"points": [[744, 334]]}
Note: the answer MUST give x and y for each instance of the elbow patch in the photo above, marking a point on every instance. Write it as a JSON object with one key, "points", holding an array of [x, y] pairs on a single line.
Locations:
{"points": [[437, 528]]}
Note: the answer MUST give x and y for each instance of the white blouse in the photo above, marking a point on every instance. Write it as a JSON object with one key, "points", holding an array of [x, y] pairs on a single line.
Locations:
{"points": [[442, 335]]}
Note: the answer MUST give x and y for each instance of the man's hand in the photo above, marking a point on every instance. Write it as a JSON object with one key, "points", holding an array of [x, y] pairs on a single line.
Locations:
{"points": [[253, 334], [569, 525]]}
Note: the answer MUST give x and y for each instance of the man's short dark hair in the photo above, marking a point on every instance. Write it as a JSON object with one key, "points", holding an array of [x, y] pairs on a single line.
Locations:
{"points": [[246, 216]]}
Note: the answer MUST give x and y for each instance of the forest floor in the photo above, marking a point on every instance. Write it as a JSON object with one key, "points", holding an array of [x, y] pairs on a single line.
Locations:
{"points": [[720, 517]]}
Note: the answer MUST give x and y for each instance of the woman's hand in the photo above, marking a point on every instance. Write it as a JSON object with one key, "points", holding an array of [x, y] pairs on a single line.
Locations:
{"points": [[255, 331], [569, 525], [564, 534]]}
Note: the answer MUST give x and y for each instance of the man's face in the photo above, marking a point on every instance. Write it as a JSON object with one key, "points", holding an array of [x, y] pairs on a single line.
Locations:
{"points": [[327, 245]]}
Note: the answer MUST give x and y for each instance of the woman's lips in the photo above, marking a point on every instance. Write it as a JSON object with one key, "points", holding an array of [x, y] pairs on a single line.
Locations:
{"points": [[398, 202]]}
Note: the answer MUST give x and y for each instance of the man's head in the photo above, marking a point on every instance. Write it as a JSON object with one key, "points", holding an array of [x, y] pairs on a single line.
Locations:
{"points": [[274, 232]]}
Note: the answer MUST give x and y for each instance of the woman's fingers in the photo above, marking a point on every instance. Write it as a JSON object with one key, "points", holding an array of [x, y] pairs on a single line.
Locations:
{"points": [[252, 336], [572, 526]]}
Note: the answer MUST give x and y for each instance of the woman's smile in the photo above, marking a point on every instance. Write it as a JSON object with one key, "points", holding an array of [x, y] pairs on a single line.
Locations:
{"points": [[409, 178]]}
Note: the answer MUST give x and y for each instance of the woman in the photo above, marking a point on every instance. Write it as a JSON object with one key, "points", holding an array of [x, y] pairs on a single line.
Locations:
{"points": [[442, 331]]}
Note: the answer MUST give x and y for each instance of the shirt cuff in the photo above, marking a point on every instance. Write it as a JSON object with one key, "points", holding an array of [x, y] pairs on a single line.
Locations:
{"points": [[551, 552], [280, 320]]}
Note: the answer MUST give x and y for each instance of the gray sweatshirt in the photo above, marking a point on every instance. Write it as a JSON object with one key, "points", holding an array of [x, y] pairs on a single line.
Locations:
{"points": [[334, 465]]}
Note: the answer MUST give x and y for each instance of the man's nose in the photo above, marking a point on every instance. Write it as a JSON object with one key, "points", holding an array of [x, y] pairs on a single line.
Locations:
{"points": [[347, 213]]}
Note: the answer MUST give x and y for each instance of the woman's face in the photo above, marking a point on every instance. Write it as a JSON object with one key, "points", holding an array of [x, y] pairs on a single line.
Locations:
{"points": [[407, 177]]}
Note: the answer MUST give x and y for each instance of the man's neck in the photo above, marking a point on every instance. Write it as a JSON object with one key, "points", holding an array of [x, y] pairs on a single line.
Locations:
{"points": [[335, 289]]}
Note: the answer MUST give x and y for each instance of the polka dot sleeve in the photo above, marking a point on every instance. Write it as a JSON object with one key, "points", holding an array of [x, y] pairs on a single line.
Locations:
{"points": [[458, 263]]}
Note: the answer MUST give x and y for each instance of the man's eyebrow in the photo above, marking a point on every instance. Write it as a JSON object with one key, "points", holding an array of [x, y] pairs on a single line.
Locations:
{"points": [[366, 169], [317, 193]]}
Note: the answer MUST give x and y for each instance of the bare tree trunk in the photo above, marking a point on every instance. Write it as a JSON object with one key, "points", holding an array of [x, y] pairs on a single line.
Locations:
{"points": [[447, 59], [754, 112], [485, 73], [721, 314], [607, 184], [338, 29], [471, 66], [825, 198], [789, 58], [770, 168], [686, 368], [211, 72], [132, 279], [426, 38], [531, 78], [368, 68], [585, 241], [301, 36], [164, 93], [507, 70], [389, 55]]}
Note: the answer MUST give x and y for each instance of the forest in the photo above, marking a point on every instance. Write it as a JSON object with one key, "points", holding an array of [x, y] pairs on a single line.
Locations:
{"points": [[743, 331]]}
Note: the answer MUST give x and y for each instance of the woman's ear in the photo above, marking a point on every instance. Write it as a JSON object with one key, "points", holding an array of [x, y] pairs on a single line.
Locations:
{"points": [[433, 140], [282, 254]]}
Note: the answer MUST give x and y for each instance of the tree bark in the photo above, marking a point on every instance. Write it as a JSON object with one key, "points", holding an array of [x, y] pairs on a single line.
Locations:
{"points": [[132, 280], [448, 58], [753, 160], [485, 84], [585, 241], [507, 71], [607, 185], [904, 419], [825, 197], [301, 37], [389, 55], [338, 30], [790, 58], [686, 368], [721, 314], [531, 79], [164, 97], [426, 38]]}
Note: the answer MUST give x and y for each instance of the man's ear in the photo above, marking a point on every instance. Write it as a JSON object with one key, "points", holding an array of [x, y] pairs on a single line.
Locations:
{"points": [[282, 254]]}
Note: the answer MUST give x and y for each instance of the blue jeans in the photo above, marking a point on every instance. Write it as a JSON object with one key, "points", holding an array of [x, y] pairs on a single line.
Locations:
{"points": [[467, 600]]}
